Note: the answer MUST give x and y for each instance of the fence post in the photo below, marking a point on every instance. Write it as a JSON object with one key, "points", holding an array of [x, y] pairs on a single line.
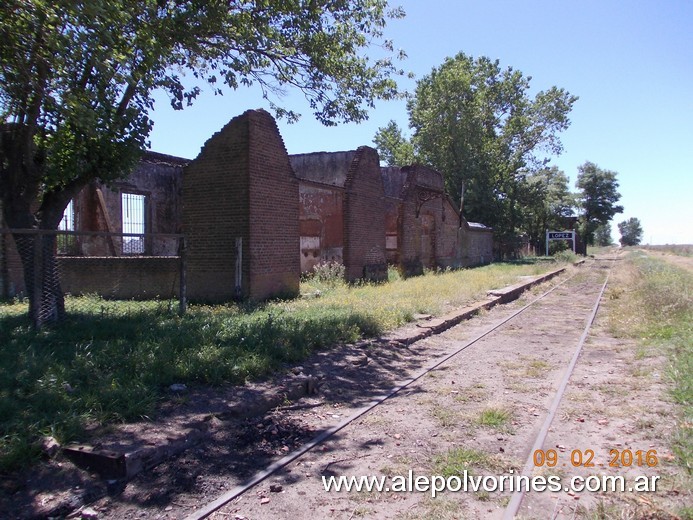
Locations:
{"points": [[183, 291], [37, 282]]}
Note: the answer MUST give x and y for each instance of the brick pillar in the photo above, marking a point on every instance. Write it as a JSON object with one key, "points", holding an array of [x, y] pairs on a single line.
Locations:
{"points": [[364, 218], [240, 214]]}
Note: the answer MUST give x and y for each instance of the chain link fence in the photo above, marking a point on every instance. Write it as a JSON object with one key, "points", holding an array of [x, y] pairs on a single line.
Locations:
{"points": [[56, 273]]}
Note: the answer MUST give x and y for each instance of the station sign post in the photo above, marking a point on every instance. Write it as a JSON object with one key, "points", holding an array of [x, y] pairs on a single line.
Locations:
{"points": [[559, 235]]}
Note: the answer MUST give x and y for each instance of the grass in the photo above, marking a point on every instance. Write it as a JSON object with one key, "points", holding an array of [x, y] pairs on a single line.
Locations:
{"points": [[653, 302], [496, 418], [674, 249], [112, 361], [456, 461]]}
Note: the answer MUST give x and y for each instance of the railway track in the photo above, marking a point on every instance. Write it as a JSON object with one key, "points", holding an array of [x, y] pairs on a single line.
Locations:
{"points": [[590, 283], [517, 358]]}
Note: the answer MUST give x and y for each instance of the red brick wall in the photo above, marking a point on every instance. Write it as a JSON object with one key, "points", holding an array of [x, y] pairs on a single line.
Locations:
{"points": [[364, 218], [321, 224], [242, 186], [274, 239], [123, 278]]}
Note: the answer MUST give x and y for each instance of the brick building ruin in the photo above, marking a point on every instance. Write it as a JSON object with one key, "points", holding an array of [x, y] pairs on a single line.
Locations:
{"points": [[423, 226], [255, 218], [341, 212], [148, 201]]}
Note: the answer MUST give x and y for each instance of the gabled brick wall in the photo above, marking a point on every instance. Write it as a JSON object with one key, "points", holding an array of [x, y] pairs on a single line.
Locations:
{"points": [[241, 191], [364, 218]]}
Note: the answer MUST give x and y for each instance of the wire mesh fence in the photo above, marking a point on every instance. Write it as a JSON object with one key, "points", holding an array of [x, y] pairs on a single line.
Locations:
{"points": [[56, 272]]}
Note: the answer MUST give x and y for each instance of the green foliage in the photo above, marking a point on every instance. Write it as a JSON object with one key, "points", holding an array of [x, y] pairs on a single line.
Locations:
{"points": [[477, 124], [546, 204], [494, 417], [565, 256], [602, 235], [631, 232], [394, 148], [597, 198]]}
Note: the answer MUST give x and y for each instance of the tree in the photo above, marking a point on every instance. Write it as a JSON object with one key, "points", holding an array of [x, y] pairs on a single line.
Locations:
{"points": [[394, 148], [597, 197], [602, 235], [631, 232], [477, 124], [76, 84], [547, 204]]}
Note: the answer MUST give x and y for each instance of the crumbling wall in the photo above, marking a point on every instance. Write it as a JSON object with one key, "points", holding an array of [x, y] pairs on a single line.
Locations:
{"points": [[342, 211], [240, 214], [364, 218], [421, 219], [98, 207], [321, 224], [422, 224]]}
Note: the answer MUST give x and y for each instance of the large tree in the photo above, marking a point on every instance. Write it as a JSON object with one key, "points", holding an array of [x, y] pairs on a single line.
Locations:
{"points": [[597, 196], [547, 204], [76, 84], [478, 125], [631, 232]]}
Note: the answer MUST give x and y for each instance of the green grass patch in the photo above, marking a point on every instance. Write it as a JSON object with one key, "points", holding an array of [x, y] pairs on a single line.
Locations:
{"points": [[496, 418], [653, 302], [456, 461], [111, 361]]}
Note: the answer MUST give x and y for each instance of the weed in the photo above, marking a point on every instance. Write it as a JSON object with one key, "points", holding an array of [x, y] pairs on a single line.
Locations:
{"points": [[565, 256], [659, 313], [457, 460], [446, 417], [436, 509], [494, 418]]}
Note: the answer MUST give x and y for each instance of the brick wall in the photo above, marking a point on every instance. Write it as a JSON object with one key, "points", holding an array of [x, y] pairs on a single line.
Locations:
{"points": [[364, 218], [423, 224], [122, 278], [477, 244], [274, 237], [421, 219], [241, 190], [321, 224]]}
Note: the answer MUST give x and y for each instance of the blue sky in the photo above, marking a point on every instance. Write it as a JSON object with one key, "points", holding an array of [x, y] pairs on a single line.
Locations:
{"points": [[631, 64]]}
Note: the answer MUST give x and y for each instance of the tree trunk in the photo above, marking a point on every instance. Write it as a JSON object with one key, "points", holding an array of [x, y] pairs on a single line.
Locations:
{"points": [[41, 277]]}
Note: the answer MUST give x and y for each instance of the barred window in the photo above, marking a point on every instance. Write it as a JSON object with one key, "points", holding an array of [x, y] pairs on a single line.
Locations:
{"points": [[66, 244], [133, 211]]}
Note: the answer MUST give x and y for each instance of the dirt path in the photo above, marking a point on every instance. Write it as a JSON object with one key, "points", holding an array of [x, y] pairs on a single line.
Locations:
{"points": [[480, 411]]}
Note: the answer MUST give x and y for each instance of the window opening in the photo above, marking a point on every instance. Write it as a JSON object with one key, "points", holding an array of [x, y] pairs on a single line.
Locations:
{"points": [[66, 244], [133, 206]]}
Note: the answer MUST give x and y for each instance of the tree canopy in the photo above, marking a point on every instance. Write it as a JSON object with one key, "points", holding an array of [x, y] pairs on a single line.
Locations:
{"points": [[597, 197], [478, 125], [631, 232], [547, 204]]}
